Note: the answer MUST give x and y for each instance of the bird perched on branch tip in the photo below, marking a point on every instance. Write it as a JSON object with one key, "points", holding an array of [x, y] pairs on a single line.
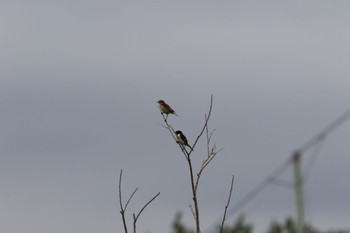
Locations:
{"points": [[165, 108]]}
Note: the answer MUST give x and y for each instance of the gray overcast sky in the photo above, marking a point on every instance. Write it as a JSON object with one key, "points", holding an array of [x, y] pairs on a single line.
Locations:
{"points": [[79, 81]]}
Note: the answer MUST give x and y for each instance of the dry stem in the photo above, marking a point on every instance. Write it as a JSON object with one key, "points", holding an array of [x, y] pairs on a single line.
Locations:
{"points": [[227, 204], [123, 208]]}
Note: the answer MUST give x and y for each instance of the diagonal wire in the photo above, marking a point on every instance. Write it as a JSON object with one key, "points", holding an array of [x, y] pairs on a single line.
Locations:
{"points": [[312, 160], [260, 187], [317, 139], [323, 133], [253, 193]]}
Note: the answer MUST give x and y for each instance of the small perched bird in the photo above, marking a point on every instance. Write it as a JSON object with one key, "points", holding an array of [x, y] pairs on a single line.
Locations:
{"points": [[165, 108], [180, 138]]}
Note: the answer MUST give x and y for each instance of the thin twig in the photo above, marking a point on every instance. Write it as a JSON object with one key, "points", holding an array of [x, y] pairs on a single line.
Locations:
{"points": [[172, 133], [138, 215], [205, 123], [192, 211], [120, 189], [205, 163], [211, 158], [227, 204], [127, 203], [194, 182], [211, 134], [208, 138], [122, 209]]}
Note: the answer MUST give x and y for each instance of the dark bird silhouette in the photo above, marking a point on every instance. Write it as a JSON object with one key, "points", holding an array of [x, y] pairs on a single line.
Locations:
{"points": [[180, 138]]}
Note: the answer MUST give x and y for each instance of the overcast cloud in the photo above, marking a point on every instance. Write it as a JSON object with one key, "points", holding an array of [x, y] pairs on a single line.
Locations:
{"points": [[79, 81]]}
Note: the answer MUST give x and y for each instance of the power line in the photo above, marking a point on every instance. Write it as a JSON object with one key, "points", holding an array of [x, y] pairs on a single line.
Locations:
{"points": [[260, 187], [317, 139], [323, 133], [312, 160], [254, 192]]}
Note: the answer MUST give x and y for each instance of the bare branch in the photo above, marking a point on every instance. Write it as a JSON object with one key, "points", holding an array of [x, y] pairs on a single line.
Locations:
{"points": [[192, 211], [127, 203], [195, 212], [134, 223], [194, 182], [138, 215], [207, 161], [208, 137], [227, 204], [120, 189], [211, 134], [205, 122], [172, 133], [122, 210]]}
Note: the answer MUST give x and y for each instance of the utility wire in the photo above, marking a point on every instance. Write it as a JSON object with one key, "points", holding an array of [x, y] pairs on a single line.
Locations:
{"points": [[323, 133], [260, 187], [312, 160], [317, 139], [253, 193]]}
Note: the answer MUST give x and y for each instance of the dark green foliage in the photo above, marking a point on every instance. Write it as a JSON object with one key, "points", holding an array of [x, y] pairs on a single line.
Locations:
{"points": [[178, 226], [289, 227], [275, 228], [240, 226]]}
